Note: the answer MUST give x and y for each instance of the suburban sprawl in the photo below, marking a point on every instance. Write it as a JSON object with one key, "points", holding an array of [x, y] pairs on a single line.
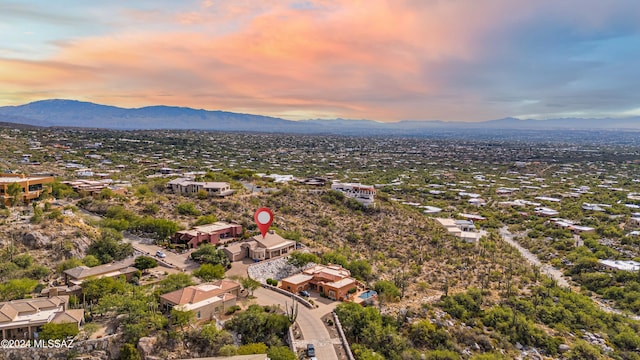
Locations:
{"points": [[144, 245]]}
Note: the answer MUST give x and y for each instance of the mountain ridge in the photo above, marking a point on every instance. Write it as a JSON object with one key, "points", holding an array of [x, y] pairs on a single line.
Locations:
{"points": [[74, 113]]}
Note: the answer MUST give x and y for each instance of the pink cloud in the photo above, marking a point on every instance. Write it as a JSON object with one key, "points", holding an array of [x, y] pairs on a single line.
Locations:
{"points": [[383, 60]]}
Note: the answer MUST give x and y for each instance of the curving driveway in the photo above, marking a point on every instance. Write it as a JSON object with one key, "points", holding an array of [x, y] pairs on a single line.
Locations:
{"points": [[309, 321], [551, 271], [556, 274]]}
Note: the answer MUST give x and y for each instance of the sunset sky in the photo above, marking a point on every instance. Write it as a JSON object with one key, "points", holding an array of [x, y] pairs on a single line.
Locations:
{"points": [[454, 60]]}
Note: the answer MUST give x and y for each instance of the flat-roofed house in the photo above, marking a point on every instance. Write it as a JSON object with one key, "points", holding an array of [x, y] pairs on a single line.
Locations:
{"points": [[218, 232], [364, 194], [205, 300], [296, 283], [463, 229], [332, 280], [187, 186], [78, 274], [625, 265], [236, 251], [31, 186], [95, 187], [23, 319], [260, 248]]}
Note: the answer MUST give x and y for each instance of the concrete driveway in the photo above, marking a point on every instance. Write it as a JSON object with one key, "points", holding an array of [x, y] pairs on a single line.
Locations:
{"points": [[178, 261], [309, 321]]}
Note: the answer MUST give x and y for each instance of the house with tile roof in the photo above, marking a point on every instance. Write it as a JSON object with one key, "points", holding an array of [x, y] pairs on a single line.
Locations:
{"points": [[332, 280], [23, 319], [260, 247], [216, 233], [78, 274], [205, 300]]}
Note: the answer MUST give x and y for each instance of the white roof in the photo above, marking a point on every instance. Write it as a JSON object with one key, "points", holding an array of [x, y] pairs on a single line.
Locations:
{"points": [[298, 278], [199, 304], [626, 265], [208, 287], [446, 222], [342, 283]]}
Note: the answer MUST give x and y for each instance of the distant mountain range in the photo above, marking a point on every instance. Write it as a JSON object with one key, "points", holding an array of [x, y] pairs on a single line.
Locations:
{"points": [[72, 113]]}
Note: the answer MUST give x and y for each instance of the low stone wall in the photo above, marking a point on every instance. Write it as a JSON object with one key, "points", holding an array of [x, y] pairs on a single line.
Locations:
{"points": [[300, 299], [343, 338], [291, 340]]}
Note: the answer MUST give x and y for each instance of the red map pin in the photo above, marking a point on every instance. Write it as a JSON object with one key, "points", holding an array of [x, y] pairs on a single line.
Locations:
{"points": [[264, 218]]}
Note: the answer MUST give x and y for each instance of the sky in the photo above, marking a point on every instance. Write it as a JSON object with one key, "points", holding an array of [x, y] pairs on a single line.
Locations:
{"points": [[384, 60]]}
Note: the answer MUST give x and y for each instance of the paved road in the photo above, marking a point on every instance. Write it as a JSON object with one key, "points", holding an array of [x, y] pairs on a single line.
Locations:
{"points": [[554, 273], [178, 261], [309, 321]]}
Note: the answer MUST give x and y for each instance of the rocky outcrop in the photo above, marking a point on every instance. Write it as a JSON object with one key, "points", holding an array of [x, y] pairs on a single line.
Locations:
{"points": [[36, 240], [146, 346]]}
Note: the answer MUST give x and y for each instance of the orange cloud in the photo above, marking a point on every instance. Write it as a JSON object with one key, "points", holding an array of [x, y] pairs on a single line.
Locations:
{"points": [[384, 60]]}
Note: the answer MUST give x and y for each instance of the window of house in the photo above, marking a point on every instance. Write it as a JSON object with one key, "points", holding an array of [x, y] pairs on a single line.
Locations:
{"points": [[198, 315]]}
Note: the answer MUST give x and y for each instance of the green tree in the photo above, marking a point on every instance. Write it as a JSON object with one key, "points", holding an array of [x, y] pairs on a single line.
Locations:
{"points": [[187, 208], [162, 228], [60, 190], [228, 350], [95, 288], [23, 260], [129, 352], [256, 326], [182, 318], [109, 247], [360, 269], [208, 253], [206, 219], [250, 284], [38, 271], [17, 288], [362, 352], [91, 261], [208, 272], [69, 264], [202, 195], [333, 257], [151, 209], [300, 259], [627, 340], [281, 353], [174, 282], [442, 355], [137, 310], [582, 350], [143, 191], [387, 290], [253, 348], [144, 263], [211, 341], [421, 333], [489, 356], [58, 331], [14, 191]]}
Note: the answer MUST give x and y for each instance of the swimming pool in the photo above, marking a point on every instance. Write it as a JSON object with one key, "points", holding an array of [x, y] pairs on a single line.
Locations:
{"points": [[367, 294]]}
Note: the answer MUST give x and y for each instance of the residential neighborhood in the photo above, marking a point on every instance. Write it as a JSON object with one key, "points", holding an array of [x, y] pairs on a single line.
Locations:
{"points": [[153, 255]]}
